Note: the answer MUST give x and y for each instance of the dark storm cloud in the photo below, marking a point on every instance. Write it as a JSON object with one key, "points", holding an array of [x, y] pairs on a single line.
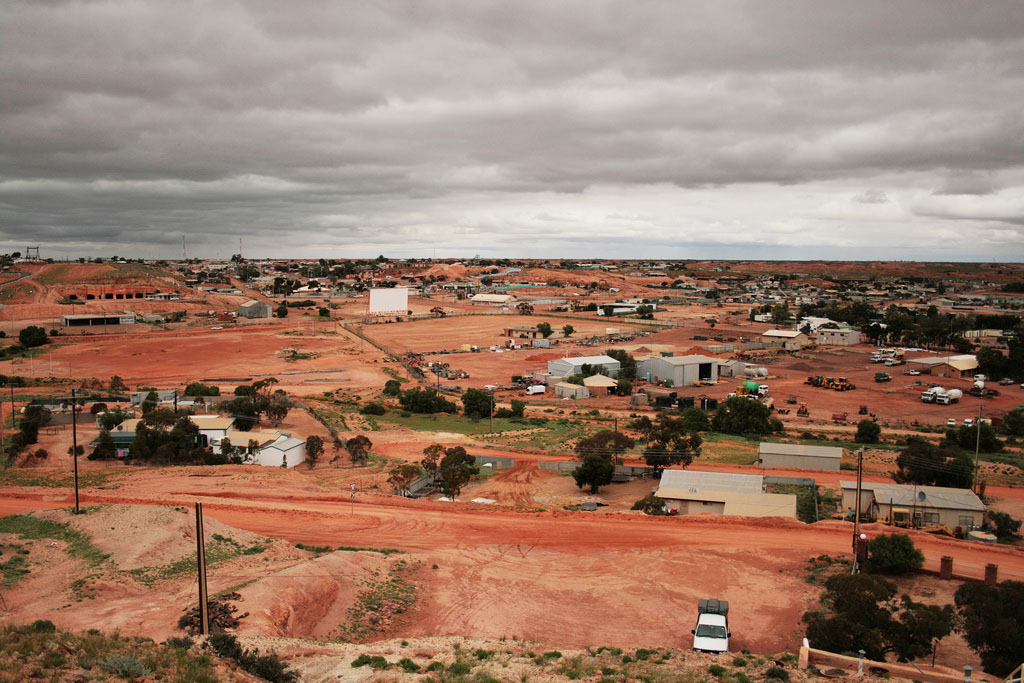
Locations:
{"points": [[522, 128]]}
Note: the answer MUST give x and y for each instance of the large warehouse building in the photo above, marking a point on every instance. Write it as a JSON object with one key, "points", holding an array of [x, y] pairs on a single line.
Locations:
{"points": [[680, 370], [564, 367], [85, 320], [795, 456]]}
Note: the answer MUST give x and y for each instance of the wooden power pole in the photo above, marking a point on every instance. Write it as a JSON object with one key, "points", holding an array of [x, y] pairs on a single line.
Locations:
{"points": [[204, 607]]}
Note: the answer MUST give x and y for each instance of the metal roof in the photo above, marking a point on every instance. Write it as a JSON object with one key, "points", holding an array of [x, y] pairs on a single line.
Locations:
{"points": [[696, 480], [742, 504], [906, 495], [588, 360], [599, 381], [797, 449], [687, 360]]}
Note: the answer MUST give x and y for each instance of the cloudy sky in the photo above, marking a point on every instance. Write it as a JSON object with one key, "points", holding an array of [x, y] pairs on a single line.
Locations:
{"points": [[841, 130]]}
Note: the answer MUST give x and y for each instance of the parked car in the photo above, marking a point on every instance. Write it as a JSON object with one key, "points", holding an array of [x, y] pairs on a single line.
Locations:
{"points": [[913, 373], [217, 327], [951, 422], [968, 422]]}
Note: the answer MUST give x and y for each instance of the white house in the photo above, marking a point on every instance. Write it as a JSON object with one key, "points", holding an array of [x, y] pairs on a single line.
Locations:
{"points": [[680, 370]]}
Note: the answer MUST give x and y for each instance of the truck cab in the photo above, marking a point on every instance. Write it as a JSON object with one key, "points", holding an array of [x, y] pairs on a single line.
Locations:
{"points": [[711, 633]]}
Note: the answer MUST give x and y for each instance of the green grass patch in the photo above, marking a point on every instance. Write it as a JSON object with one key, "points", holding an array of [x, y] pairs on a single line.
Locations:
{"points": [[382, 551], [55, 480], [804, 499], [78, 544], [220, 549], [728, 449], [14, 569], [42, 646], [381, 602], [394, 374]]}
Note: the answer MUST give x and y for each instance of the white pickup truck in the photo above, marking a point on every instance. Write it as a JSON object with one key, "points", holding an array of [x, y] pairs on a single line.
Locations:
{"points": [[712, 631]]}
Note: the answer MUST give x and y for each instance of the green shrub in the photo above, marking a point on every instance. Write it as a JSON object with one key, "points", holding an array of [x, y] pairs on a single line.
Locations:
{"points": [[459, 669], [373, 409], [718, 671], [482, 654], [435, 666], [373, 661], [893, 554], [43, 626], [553, 654], [777, 673], [408, 665], [125, 666], [739, 661], [180, 643]]}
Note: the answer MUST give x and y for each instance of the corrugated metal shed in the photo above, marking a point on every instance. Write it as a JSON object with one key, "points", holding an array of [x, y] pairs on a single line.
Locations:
{"points": [[695, 480]]}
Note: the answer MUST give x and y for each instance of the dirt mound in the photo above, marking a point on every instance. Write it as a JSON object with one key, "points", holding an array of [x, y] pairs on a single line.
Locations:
{"points": [[802, 367], [138, 536], [544, 356]]}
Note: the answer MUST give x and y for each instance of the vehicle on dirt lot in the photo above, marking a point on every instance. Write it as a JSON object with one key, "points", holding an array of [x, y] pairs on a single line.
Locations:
{"points": [[1006, 381], [711, 634], [951, 422], [535, 389], [968, 422], [883, 377], [913, 373]]}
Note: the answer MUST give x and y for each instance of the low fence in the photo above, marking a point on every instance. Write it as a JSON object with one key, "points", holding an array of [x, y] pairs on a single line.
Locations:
{"points": [[558, 465], [823, 660], [496, 462]]}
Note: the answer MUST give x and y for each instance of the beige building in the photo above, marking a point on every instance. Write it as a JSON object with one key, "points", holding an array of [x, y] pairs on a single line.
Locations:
{"points": [[795, 456], [689, 492], [792, 340], [915, 505], [599, 385], [569, 390], [833, 337]]}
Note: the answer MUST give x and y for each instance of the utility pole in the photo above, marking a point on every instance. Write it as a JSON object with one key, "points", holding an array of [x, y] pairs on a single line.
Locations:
{"points": [[977, 449], [74, 445], [204, 607], [175, 401], [492, 412], [856, 514]]}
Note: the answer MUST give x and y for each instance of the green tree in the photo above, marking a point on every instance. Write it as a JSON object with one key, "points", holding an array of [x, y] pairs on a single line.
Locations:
{"points": [[33, 418], [314, 449], [277, 410], [324, 312], [650, 505], [518, 407], [117, 384], [524, 309], [112, 418], [893, 554], [359, 448], [968, 438], [432, 455], [32, 336], [668, 444], [989, 617], [226, 449], [477, 403], [742, 415], [780, 313], [623, 387], [105, 449], [868, 431], [200, 389], [862, 612], [150, 402], [924, 463], [545, 329], [392, 387], [98, 408], [402, 476], [695, 419], [419, 400], [455, 470], [594, 471], [567, 330], [607, 444], [243, 410], [282, 310], [1004, 526]]}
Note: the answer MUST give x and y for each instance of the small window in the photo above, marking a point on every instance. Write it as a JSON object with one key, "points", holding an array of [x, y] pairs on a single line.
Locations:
{"points": [[706, 502], [966, 521], [931, 518]]}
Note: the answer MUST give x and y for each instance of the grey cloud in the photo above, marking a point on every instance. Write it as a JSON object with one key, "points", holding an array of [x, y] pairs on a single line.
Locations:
{"points": [[133, 122]]}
